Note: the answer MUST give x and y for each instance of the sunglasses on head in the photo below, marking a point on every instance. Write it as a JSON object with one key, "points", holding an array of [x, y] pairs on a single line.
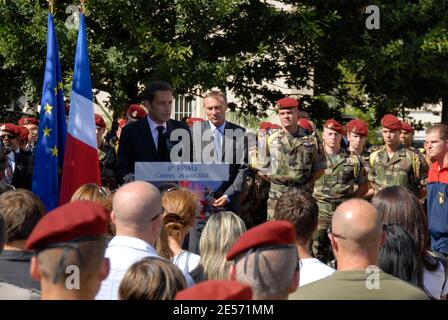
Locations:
{"points": [[160, 213], [330, 231]]}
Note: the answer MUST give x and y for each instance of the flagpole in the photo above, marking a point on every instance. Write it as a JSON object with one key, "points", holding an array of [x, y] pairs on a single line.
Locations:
{"points": [[50, 5]]}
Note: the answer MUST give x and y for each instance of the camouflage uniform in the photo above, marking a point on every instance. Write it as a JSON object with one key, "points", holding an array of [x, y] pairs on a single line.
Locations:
{"points": [[364, 157], [289, 161], [343, 174], [405, 168], [421, 154]]}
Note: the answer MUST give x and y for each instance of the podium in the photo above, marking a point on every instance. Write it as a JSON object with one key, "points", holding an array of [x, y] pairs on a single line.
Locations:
{"points": [[201, 178]]}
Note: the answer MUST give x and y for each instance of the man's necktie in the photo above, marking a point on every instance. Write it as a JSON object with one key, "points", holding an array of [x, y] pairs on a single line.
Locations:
{"points": [[217, 140], [9, 172], [161, 145]]}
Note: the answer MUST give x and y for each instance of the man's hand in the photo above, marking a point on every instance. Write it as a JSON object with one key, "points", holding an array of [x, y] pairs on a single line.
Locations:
{"points": [[221, 202]]}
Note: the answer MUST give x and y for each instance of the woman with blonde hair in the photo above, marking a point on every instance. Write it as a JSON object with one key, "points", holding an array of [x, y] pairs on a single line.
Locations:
{"points": [[180, 206], [151, 279], [95, 193], [89, 192], [222, 230]]}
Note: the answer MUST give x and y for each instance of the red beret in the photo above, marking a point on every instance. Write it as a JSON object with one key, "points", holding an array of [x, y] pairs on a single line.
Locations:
{"points": [[191, 121], [287, 103], [305, 124], [216, 290], [67, 223], [407, 127], [24, 132], [268, 125], [25, 121], [122, 123], [357, 126], [391, 122], [11, 128], [99, 121], [334, 125], [136, 111], [266, 234]]}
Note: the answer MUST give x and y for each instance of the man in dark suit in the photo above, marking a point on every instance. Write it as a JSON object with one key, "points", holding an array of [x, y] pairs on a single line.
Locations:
{"points": [[229, 145], [148, 139], [17, 172]]}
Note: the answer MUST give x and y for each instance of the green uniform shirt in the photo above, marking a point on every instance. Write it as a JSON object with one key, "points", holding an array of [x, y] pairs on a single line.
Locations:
{"points": [[405, 168], [365, 160], [288, 160], [359, 285], [343, 172]]}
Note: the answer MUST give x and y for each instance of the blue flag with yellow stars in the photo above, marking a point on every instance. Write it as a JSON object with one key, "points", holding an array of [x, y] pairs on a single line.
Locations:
{"points": [[49, 153]]}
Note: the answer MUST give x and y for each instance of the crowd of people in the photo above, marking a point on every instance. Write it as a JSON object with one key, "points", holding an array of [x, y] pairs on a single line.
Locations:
{"points": [[303, 214]]}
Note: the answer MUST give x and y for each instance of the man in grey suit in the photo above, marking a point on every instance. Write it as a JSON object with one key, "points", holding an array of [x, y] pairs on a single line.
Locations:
{"points": [[227, 143]]}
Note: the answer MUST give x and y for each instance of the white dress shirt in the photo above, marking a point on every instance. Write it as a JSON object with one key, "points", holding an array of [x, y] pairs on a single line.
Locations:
{"points": [[218, 134], [312, 270], [155, 133], [123, 252]]}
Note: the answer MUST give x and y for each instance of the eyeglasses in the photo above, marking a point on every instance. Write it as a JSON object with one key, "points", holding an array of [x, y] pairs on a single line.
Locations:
{"points": [[156, 216], [9, 136], [345, 238], [329, 231]]}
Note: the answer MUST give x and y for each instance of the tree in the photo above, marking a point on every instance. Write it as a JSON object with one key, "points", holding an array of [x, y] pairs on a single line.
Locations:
{"points": [[242, 45], [236, 44], [401, 65]]}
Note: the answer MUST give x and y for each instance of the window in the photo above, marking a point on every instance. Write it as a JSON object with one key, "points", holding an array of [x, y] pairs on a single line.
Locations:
{"points": [[184, 106]]}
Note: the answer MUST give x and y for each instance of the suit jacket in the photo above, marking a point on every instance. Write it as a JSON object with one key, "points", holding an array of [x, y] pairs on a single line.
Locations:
{"points": [[137, 145], [238, 164], [22, 176]]}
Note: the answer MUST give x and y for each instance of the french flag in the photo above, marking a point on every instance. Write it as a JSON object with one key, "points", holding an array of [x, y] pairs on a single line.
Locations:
{"points": [[81, 164]]}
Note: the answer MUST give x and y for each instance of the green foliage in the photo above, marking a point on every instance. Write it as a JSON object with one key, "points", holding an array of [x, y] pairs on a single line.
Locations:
{"points": [[242, 45], [235, 44]]}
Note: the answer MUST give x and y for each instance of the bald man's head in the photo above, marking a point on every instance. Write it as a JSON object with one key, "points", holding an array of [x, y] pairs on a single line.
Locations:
{"points": [[356, 226], [135, 205]]}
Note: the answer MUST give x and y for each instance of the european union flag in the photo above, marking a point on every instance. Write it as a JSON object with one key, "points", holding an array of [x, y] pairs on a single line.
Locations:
{"points": [[49, 153]]}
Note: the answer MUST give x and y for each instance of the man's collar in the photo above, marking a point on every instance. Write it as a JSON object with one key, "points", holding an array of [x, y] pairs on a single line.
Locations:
{"points": [[221, 127], [11, 155], [131, 242], [154, 125]]}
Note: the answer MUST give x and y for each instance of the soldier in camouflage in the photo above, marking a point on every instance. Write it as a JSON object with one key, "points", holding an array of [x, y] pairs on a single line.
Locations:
{"points": [[344, 178], [396, 165], [407, 138], [407, 134], [357, 131], [288, 157], [255, 196]]}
